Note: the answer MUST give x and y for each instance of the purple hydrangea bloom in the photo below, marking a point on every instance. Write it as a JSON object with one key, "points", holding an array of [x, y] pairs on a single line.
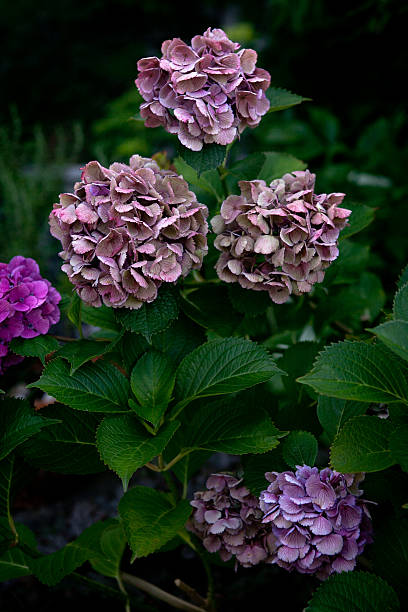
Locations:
{"points": [[209, 91], [228, 519], [28, 305], [126, 230], [318, 518], [280, 237]]}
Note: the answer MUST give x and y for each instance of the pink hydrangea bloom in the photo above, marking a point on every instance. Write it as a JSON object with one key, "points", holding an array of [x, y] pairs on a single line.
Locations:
{"points": [[126, 230], [206, 92], [319, 520], [228, 519], [280, 237], [28, 305]]}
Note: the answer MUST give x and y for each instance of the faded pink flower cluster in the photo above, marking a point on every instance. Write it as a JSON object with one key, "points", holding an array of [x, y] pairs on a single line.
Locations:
{"points": [[126, 230], [280, 237], [28, 305], [228, 519], [206, 92]]}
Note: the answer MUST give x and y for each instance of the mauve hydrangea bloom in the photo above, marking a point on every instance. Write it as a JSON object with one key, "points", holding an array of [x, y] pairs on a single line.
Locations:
{"points": [[28, 305], [126, 230], [320, 522], [278, 238], [228, 519], [205, 92]]}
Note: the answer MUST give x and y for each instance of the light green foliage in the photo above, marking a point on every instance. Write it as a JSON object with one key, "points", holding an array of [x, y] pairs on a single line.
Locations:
{"points": [[281, 99]]}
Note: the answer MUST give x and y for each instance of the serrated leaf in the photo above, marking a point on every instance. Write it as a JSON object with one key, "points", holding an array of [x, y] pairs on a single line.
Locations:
{"points": [[297, 360], [333, 413], [68, 447], [255, 467], [95, 387], [152, 381], [203, 307], [399, 446], [347, 268], [359, 371], [362, 445], [362, 216], [125, 445], [223, 366], [359, 591], [277, 164], [74, 311], [403, 279], [102, 317], [150, 520], [179, 339], [211, 156], [250, 303], [208, 181], [40, 346], [281, 99], [131, 347], [151, 318], [394, 334], [18, 422], [401, 304], [299, 448], [79, 352], [226, 426], [109, 549], [14, 563]]}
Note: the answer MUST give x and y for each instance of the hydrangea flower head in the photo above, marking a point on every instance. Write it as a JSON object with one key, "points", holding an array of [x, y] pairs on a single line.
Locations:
{"points": [[28, 305], [228, 519], [126, 230], [280, 237], [205, 92], [318, 518]]}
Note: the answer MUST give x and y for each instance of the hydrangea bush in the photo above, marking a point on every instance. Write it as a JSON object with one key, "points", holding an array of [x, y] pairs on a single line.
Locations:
{"points": [[217, 305]]}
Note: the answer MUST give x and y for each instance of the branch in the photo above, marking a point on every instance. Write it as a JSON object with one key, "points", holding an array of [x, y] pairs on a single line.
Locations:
{"points": [[158, 593]]}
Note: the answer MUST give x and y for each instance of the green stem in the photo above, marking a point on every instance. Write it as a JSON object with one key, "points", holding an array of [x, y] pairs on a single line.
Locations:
{"points": [[210, 580], [158, 593], [98, 586], [172, 486], [123, 590]]}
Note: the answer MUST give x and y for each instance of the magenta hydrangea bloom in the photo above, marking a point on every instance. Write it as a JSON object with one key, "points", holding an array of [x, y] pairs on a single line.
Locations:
{"points": [[318, 518], [128, 229], [280, 237], [206, 92], [28, 305], [228, 519]]}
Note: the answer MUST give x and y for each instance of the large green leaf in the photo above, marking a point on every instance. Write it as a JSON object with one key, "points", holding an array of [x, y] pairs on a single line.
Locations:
{"points": [[266, 166], [66, 448], [401, 304], [211, 156], [79, 352], [399, 446], [202, 305], [102, 317], [354, 592], [394, 334], [297, 360], [333, 413], [223, 366], [95, 387], [208, 181], [255, 467], [152, 382], [250, 303], [150, 519], [179, 339], [18, 422], [362, 445], [281, 99], [151, 318], [359, 371], [109, 549], [40, 346], [360, 218], [132, 346], [125, 445], [14, 563], [299, 448]]}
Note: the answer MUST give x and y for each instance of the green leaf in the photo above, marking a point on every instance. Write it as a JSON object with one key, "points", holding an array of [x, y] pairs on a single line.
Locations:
{"points": [[66, 448], [18, 422], [211, 156], [333, 413], [14, 563], [202, 305], [255, 467], [131, 347], [81, 351], [250, 303], [399, 446], [394, 334], [109, 549], [208, 181], [347, 268], [74, 312], [359, 591], [95, 387], [52, 568], [390, 553], [297, 360], [150, 520], [227, 426], [359, 371], [362, 445], [179, 339], [125, 445], [102, 317], [281, 99], [266, 166], [401, 304], [40, 346], [403, 279], [223, 366], [299, 448], [151, 318], [152, 382], [361, 217]]}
